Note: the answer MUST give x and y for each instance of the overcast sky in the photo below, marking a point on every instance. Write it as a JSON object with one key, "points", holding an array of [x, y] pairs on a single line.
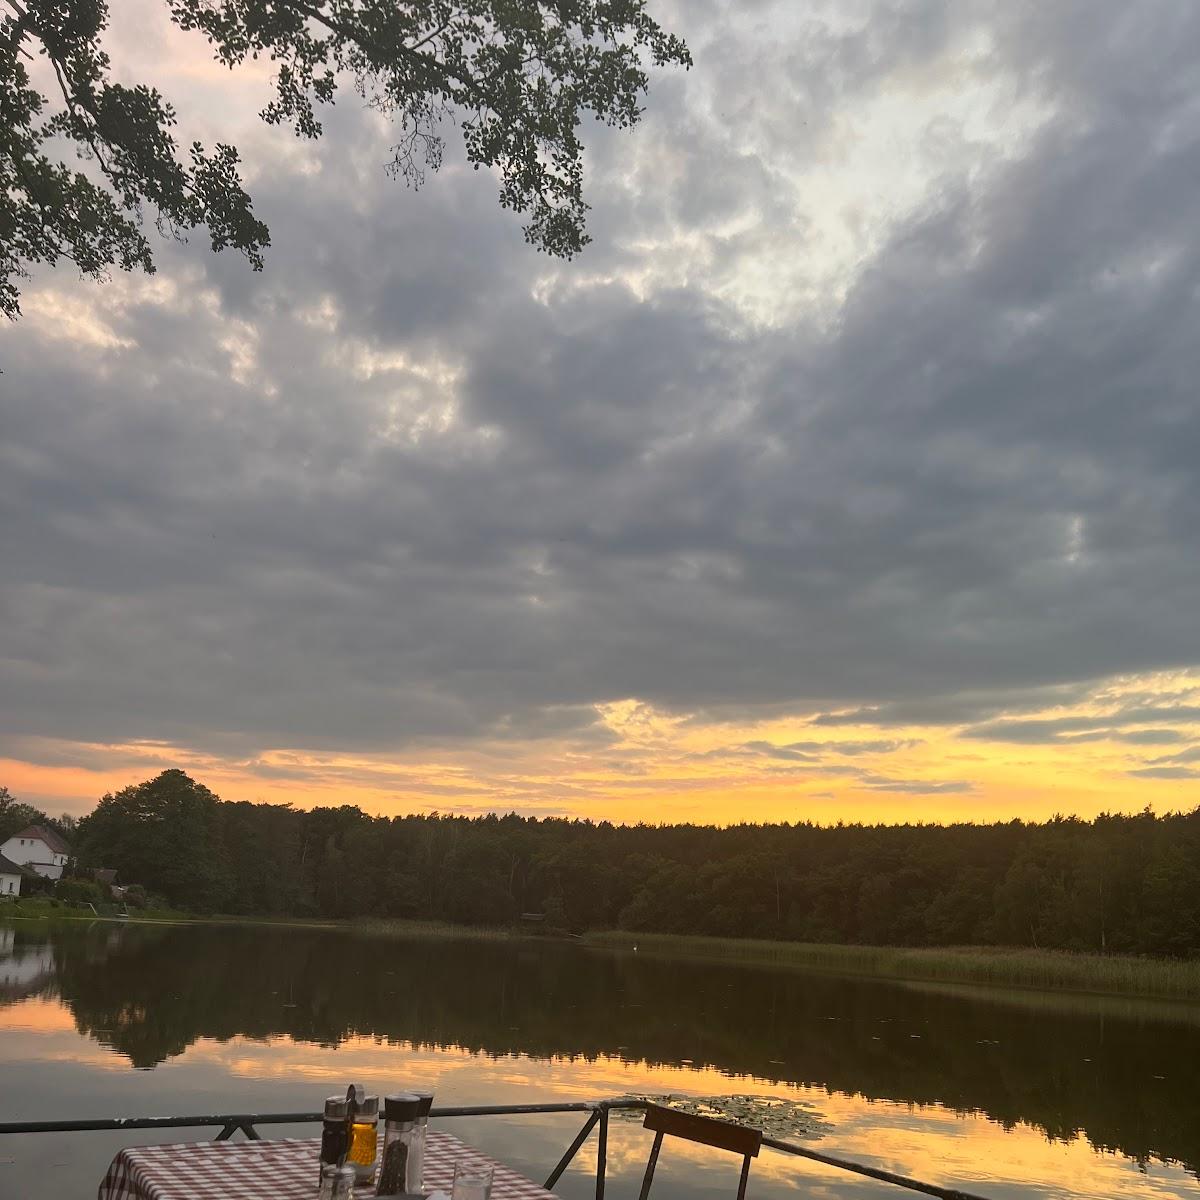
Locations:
{"points": [[851, 472]]}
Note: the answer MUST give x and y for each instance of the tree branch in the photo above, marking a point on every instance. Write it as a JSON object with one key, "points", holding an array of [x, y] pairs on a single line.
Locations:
{"points": [[19, 28], [430, 36], [75, 100], [351, 35]]}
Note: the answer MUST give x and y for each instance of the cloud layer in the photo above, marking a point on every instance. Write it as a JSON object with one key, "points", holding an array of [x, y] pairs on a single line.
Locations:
{"points": [[874, 398]]}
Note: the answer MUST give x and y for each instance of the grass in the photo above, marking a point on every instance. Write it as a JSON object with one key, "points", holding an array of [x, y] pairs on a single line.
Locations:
{"points": [[397, 927], [43, 909], [986, 965], [379, 926]]}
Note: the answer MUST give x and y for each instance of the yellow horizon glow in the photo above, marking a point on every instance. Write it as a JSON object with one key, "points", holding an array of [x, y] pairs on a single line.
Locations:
{"points": [[640, 764]]}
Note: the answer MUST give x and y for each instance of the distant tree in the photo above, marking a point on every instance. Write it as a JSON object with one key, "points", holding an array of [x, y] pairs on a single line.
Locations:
{"points": [[165, 835], [518, 74], [14, 815]]}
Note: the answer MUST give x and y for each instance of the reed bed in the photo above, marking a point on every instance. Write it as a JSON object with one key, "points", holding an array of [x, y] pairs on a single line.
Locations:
{"points": [[992, 966]]}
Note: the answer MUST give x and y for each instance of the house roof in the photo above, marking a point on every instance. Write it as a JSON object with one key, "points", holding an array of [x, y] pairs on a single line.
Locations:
{"points": [[10, 868], [41, 832]]}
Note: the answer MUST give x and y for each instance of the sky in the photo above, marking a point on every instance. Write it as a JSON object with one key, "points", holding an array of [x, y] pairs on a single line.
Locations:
{"points": [[849, 474]]}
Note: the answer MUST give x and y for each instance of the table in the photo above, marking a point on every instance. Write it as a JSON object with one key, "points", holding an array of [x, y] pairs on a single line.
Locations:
{"points": [[280, 1170]]}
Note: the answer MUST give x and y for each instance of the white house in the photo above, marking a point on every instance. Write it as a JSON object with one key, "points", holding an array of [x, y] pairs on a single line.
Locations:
{"points": [[38, 848], [10, 878]]}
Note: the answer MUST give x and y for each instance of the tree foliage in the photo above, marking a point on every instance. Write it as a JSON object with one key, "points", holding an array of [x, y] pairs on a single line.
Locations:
{"points": [[15, 815], [518, 75], [163, 834], [1128, 884]]}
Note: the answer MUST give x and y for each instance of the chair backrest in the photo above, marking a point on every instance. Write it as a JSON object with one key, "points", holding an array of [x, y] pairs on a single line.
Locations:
{"points": [[708, 1131]]}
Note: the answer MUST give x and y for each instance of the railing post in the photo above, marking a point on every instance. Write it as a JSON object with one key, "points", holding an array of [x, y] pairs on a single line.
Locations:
{"points": [[231, 1127], [651, 1163], [745, 1178], [602, 1151], [572, 1150]]}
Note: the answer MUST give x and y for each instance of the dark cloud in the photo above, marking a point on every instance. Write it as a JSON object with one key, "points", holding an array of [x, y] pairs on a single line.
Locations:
{"points": [[813, 751], [956, 707], [920, 787], [415, 483], [784, 752], [1148, 737], [854, 748], [1104, 727], [1190, 755], [1166, 773]]}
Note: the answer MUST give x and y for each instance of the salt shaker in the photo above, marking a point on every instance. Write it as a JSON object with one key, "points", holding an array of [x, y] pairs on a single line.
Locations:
{"points": [[328, 1172], [416, 1162], [343, 1183]]}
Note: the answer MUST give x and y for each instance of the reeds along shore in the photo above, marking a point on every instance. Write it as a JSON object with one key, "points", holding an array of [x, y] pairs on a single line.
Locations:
{"points": [[996, 966]]}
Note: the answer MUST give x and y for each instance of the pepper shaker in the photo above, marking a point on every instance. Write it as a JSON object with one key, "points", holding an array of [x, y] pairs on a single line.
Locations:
{"points": [[399, 1144]]}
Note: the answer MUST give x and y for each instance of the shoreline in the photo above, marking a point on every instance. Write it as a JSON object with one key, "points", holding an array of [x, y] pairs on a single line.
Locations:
{"points": [[991, 967]]}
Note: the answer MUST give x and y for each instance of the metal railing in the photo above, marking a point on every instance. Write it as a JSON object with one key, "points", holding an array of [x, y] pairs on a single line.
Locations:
{"points": [[597, 1115]]}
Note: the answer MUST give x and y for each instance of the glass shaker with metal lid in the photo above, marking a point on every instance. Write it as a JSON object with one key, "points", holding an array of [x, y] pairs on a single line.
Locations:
{"points": [[343, 1183], [335, 1132], [399, 1140], [416, 1162], [328, 1176], [364, 1139]]}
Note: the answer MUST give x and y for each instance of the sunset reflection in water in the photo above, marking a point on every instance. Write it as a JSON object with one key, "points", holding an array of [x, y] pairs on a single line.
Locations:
{"points": [[44, 1053]]}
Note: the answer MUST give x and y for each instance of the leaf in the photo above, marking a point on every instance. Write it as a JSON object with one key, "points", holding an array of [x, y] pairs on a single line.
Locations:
{"points": [[775, 1116]]}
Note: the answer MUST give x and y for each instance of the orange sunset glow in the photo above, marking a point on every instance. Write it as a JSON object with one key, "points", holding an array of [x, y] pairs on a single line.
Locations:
{"points": [[667, 533], [654, 766]]}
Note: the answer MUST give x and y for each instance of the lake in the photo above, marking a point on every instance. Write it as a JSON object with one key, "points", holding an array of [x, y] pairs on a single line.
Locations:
{"points": [[1009, 1094]]}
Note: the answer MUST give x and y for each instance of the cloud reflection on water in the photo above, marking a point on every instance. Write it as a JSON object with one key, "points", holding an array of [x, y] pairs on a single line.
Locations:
{"points": [[39, 1041]]}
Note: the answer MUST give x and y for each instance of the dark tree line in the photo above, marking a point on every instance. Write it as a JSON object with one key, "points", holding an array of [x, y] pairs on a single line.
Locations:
{"points": [[1127, 884]]}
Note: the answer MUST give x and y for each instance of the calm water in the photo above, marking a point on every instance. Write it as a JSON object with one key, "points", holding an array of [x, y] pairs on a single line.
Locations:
{"points": [[1007, 1094]]}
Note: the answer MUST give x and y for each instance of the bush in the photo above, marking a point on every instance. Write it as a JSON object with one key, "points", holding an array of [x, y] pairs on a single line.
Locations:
{"points": [[556, 914], [36, 885], [82, 892], [135, 896]]}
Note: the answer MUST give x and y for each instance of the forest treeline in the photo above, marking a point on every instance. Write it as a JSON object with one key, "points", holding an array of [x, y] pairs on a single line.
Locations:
{"points": [[1118, 884]]}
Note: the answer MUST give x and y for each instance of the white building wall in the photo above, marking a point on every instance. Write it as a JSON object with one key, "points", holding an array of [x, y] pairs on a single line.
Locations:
{"points": [[35, 854], [10, 885]]}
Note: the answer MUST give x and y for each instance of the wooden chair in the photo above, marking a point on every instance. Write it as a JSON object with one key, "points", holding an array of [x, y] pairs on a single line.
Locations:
{"points": [[708, 1131]]}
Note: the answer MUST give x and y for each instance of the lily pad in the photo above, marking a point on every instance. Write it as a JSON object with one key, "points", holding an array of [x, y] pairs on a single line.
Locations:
{"points": [[776, 1116]]}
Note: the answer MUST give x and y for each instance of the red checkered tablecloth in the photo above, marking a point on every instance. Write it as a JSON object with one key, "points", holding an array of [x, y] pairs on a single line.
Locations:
{"points": [[282, 1170]]}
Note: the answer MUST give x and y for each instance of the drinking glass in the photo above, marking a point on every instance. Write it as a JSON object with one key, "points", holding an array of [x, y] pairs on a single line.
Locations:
{"points": [[472, 1181]]}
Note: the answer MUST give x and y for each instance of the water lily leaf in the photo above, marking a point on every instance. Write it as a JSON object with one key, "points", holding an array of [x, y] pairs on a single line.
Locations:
{"points": [[776, 1116]]}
